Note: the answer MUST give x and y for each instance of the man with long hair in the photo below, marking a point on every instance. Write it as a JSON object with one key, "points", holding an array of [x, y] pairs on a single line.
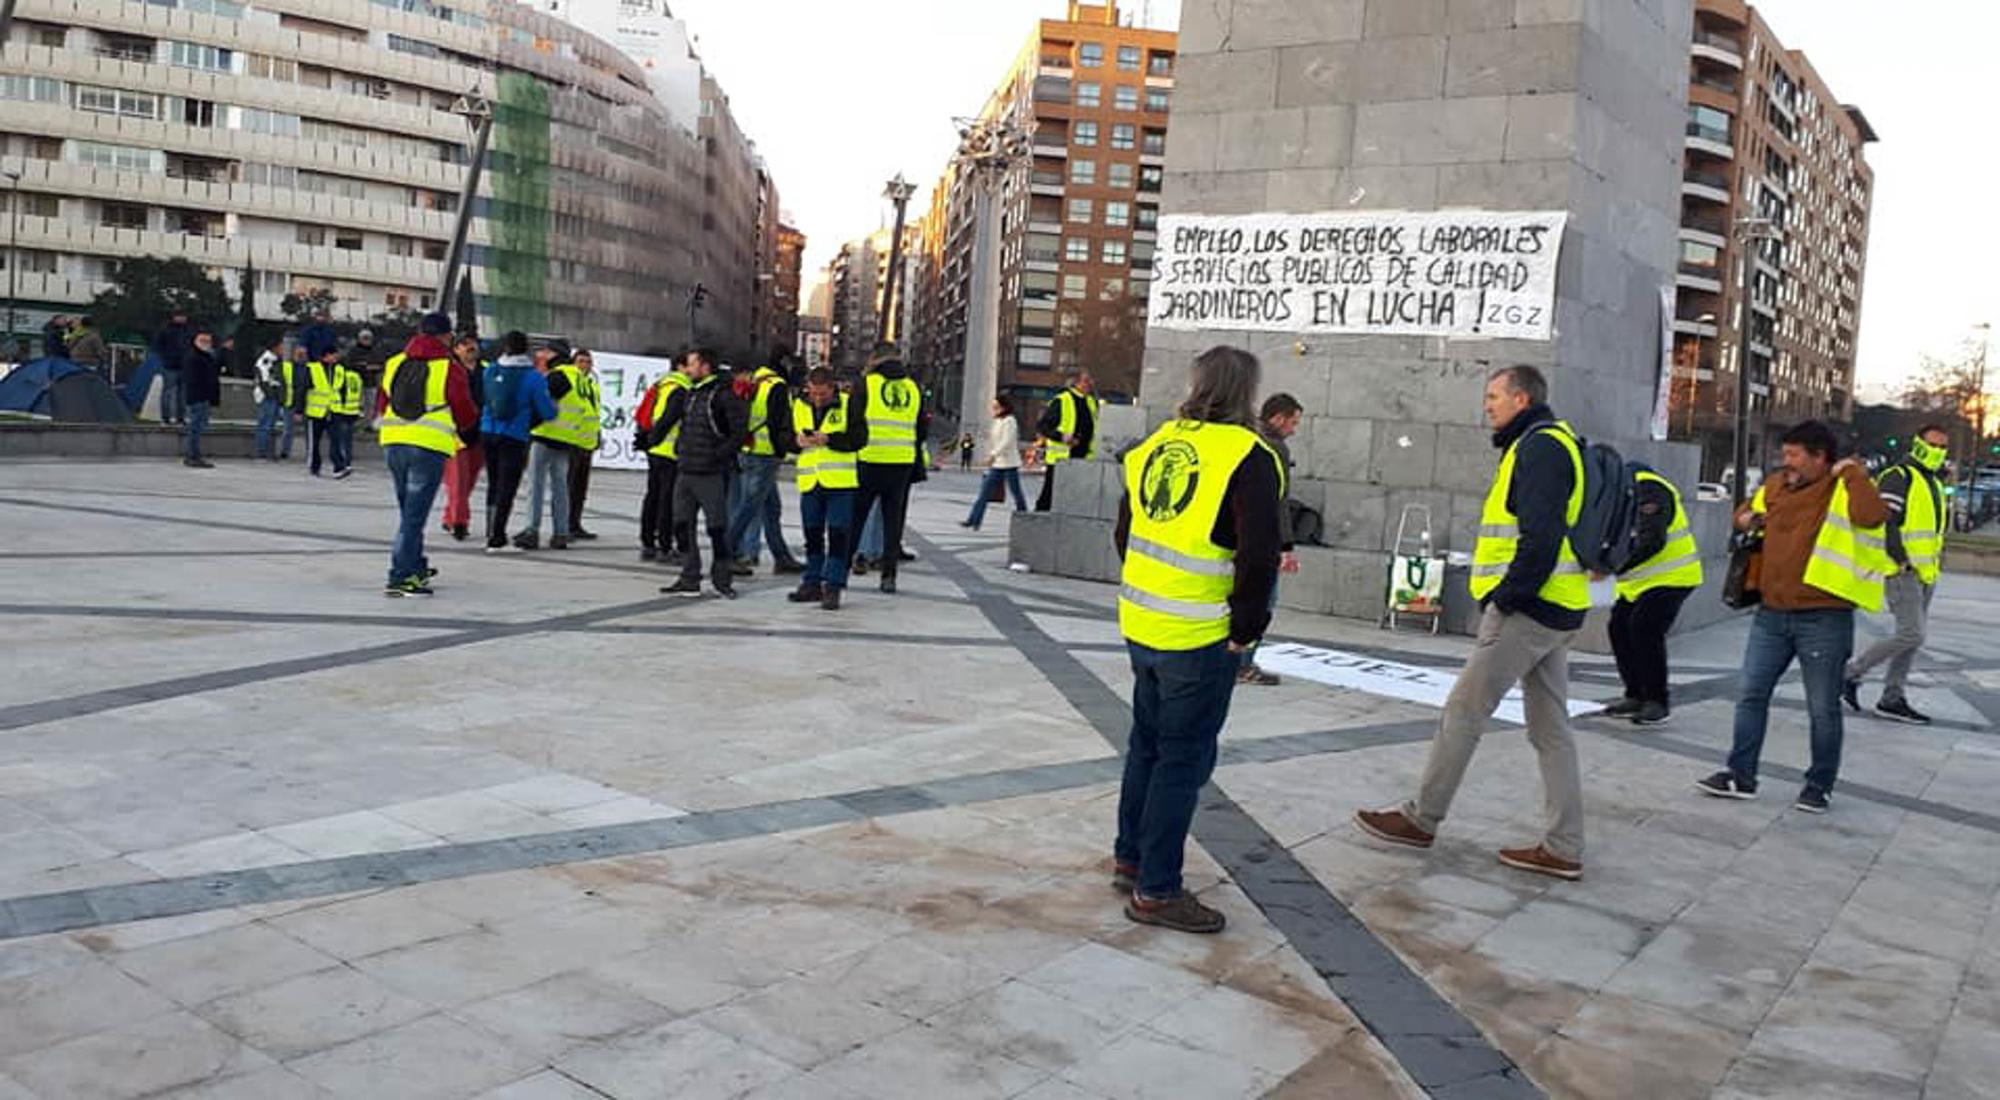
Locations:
{"points": [[1198, 532]]}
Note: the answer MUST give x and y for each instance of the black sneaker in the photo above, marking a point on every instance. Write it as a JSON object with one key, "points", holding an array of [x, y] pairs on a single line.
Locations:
{"points": [[1812, 800], [727, 593], [889, 583], [682, 588], [788, 567], [460, 532], [1651, 714], [559, 542], [742, 568], [830, 600], [860, 566], [806, 593], [583, 535], [1850, 693], [1727, 785], [1182, 913], [528, 540], [1900, 710], [1623, 708], [648, 553], [342, 475], [905, 555]]}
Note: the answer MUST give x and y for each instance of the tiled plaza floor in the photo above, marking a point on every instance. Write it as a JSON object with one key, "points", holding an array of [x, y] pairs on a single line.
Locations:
{"points": [[550, 835]]}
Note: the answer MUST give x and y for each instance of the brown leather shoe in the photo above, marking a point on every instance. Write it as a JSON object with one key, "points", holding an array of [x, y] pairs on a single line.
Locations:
{"points": [[1541, 861], [1124, 877], [1392, 826], [1182, 913]]}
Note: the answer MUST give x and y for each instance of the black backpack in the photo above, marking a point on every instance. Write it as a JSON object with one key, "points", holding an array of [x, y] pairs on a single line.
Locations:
{"points": [[1606, 532], [410, 390]]}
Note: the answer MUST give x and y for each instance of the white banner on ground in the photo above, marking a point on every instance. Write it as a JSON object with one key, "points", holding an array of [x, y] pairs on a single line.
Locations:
{"points": [[1412, 683], [622, 380], [1465, 273]]}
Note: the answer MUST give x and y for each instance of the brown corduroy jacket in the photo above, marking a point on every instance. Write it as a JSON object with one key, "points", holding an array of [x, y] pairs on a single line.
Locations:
{"points": [[1792, 519]]}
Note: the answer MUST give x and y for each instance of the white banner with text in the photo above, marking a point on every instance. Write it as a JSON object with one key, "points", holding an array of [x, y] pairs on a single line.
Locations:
{"points": [[1412, 683], [1463, 273], [622, 380]]}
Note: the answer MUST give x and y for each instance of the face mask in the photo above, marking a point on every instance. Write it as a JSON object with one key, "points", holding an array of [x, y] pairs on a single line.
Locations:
{"points": [[1927, 456]]}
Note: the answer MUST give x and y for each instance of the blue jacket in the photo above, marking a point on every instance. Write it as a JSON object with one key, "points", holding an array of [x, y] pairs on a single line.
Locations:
{"points": [[532, 404]]}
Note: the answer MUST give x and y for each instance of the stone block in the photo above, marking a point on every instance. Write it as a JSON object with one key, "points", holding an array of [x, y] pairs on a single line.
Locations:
{"points": [[1329, 138], [1204, 29], [1337, 449], [1513, 61], [1354, 514], [1031, 539], [1084, 548], [1316, 74], [1465, 458], [1264, 138], [1303, 377], [1529, 13], [1389, 69], [1391, 18], [1530, 185], [1118, 428], [1216, 192], [1541, 127], [1388, 188], [1461, 16], [1080, 490], [1464, 529], [1433, 131], [1191, 144], [1260, 24], [1305, 190], [1403, 454], [1240, 80], [1334, 581]]}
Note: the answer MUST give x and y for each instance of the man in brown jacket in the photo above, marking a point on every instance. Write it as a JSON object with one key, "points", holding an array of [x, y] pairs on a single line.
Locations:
{"points": [[1822, 524]]}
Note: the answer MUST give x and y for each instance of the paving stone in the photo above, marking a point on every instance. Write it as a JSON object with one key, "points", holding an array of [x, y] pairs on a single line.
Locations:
{"points": [[369, 925], [1146, 1064], [148, 1057], [48, 1006], [201, 968], [431, 1057], [803, 1022], [1113, 985], [918, 1063], [312, 1012], [680, 1060], [546, 1085], [550, 1017]]}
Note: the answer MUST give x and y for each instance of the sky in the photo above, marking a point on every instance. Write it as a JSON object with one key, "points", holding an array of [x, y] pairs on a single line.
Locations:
{"points": [[842, 96]]}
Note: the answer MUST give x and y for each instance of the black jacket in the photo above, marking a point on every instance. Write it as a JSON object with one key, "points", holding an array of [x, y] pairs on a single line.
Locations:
{"points": [[1248, 524], [1050, 423], [851, 440], [1896, 485], [1538, 496], [201, 377], [713, 421]]}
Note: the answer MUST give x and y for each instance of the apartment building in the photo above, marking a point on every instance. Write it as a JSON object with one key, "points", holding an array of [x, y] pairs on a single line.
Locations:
{"points": [[1078, 218], [855, 280], [1776, 176], [316, 141]]}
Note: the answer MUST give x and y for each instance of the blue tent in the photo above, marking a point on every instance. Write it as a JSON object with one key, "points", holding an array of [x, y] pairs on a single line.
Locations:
{"points": [[61, 390]]}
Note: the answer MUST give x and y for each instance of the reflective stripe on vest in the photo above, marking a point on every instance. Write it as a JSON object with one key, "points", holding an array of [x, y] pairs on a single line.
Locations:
{"points": [[824, 467], [319, 391], [760, 413], [1923, 529], [674, 380], [1500, 530], [1847, 562], [346, 392], [1175, 584], [434, 430], [892, 421], [575, 424], [1677, 565], [1057, 449]]}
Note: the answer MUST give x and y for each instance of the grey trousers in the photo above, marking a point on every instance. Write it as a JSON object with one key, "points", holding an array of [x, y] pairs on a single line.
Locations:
{"points": [[1511, 649], [548, 464], [1909, 601]]}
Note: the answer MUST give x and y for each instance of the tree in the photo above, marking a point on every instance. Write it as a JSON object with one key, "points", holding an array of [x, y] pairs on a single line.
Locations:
{"points": [[303, 307], [1951, 390], [247, 294], [145, 292]]}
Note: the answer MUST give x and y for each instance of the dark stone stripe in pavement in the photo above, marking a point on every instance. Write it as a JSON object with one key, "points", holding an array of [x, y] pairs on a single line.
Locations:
{"points": [[1441, 1050], [89, 908], [97, 702], [223, 615], [96, 555]]}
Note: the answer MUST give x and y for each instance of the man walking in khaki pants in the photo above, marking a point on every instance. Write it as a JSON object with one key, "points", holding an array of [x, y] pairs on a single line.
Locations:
{"points": [[1535, 594]]}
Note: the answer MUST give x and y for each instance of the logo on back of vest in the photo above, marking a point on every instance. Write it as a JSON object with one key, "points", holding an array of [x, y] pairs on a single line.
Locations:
{"points": [[1168, 482], [897, 394]]}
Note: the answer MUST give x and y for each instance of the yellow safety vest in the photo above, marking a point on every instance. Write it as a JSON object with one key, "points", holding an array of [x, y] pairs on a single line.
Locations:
{"points": [[319, 391], [1847, 562], [760, 413], [286, 371], [593, 395], [1175, 584], [346, 391], [892, 421], [674, 380], [1677, 565], [1923, 529], [1500, 531], [1057, 449], [434, 430], [824, 467], [576, 423]]}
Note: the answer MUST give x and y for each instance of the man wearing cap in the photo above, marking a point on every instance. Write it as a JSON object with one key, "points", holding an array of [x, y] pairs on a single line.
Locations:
{"points": [[424, 413]]}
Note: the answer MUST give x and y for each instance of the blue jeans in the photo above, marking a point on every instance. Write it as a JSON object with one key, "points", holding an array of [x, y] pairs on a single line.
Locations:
{"points": [[268, 412], [870, 546], [173, 405], [197, 423], [291, 420], [340, 433], [1011, 477], [828, 516], [416, 472], [1179, 702], [1822, 640], [755, 498], [549, 463]]}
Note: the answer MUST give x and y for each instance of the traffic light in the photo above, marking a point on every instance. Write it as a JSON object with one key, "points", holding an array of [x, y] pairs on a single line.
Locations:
{"points": [[1892, 441]]}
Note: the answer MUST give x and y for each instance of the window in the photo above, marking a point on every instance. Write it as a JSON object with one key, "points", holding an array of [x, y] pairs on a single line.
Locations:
{"points": [[1111, 291], [347, 239], [1121, 174], [34, 89], [402, 246], [1149, 217], [1076, 286], [221, 8], [1128, 59], [124, 158], [1125, 97], [1124, 135], [1079, 211], [270, 175], [1151, 176], [1084, 133], [1156, 143], [410, 45], [33, 260], [312, 236], [111, 101], [433, 250], [1160, 64], [1117, 214], [1708, 123], [271, 68], [1696, 254], [274, 123], [189, 55], [35, 205], [1077, 250], [1089, 95], [194, 112], [338, 186], [1156, 100], [1090, 55], [1114, 252], [1069, 323], [1083, 171], [122, 215]]}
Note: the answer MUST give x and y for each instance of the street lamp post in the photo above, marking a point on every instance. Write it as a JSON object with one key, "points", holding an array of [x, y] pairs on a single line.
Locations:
{"points": [[1749, 231], [478, 111], [988, 148], [898, 191]]}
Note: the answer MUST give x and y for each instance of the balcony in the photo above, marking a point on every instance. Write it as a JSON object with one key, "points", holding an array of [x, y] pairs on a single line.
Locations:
{"points": [[1712, 186], [1721, 49], [1047, 146], [1694, 326], [1710, 231], [1699, 277], [1714, 82], [1710, 140]]}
